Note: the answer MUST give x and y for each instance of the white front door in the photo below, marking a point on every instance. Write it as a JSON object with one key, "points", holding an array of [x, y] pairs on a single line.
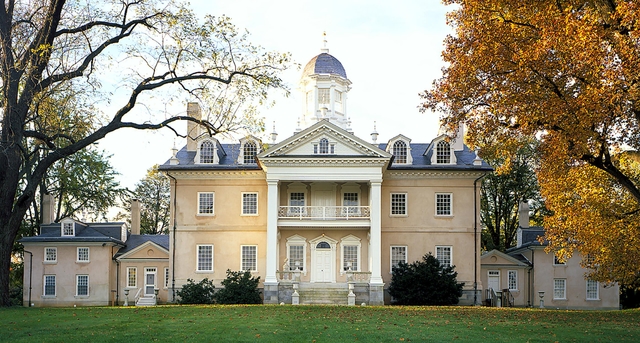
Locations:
{"points": [[494, 280], [323, 266], [149, 281]]}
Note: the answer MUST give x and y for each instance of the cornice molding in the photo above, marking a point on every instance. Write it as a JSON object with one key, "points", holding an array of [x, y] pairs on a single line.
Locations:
{"points": [[218, 174], [432, 174]]}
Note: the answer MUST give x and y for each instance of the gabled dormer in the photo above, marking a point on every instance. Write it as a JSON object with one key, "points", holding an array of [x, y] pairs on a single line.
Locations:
{"points": [[250, 147], [208, 151], [400, 147], [443, 152], [67, 227]]}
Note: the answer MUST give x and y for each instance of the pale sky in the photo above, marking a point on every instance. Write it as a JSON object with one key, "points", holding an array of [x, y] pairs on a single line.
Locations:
{"points": [[391, 51]]}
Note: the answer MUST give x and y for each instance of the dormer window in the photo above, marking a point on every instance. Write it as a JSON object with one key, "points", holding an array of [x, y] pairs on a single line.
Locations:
{"points": [[324, 147], [207, 151], [443, 153], [400, 152], [68, 229], [249, 151]]}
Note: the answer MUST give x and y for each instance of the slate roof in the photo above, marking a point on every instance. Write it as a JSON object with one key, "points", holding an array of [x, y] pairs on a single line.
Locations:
{"points": [[135, 241], [84, 232], [229, 161], [324, 64]]}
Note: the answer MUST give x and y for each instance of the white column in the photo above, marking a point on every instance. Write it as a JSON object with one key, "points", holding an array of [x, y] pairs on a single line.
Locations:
{"points": [[376, 235], [272, 232]]}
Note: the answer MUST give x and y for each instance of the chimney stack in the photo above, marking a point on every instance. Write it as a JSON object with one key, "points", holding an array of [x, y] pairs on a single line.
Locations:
{"points": [[193, 129], [135, 217], [47, 209], [523, 215]]}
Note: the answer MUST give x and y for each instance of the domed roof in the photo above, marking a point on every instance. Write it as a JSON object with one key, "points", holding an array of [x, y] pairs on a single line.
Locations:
{"points": [[324, 64]]}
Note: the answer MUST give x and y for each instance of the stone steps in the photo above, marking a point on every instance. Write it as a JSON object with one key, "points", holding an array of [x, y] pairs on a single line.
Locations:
{"points": [[323, 294], [146, 301]]}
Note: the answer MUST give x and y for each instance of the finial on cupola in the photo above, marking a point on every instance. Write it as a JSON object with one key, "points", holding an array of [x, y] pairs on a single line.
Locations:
{"points": [[324, 43], [374, 134]]}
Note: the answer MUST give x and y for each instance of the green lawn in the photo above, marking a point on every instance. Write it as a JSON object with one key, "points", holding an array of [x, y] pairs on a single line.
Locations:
{"points": [[315, 324]]}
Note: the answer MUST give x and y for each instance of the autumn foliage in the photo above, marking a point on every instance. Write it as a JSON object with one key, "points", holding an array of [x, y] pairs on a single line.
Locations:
{"points": [[565, 72]]}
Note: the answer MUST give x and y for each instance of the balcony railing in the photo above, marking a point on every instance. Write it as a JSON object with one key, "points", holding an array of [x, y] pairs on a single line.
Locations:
{"points": [[324, 212]]}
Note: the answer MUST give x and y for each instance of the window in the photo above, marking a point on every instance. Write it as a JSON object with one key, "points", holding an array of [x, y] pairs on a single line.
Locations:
{"points": [[51, 255], [400, 152], [350, 202], [338, 95], [249, 153], [132, 277], [324, 146], [350, 260], [443, 204], [323, 96], [206, 152], [68, 229], [249, 258], [513, 280], [559, 288], [593, 290], [443, 152], [205, 258], [296, 203], [249, 203], [399, 204], [166, 277], [556, 261], [49, 285], [83, 254], [296, 257], [205, 203], [398, 254], [82, 285], [443, 254], [350, 253]]}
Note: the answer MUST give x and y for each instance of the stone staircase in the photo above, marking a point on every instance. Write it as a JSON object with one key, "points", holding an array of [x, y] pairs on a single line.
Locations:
{"points": [[323, 293], [146, 301]]}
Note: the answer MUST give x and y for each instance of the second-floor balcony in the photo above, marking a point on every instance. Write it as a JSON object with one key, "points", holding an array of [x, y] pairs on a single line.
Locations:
{"points": [[324, 212]]}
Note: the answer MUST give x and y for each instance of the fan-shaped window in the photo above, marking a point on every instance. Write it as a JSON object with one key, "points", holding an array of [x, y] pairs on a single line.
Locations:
{"points": [[206, 152], [323, 245], [443, 152], [324, 146], [400, 151], [249, 152]]}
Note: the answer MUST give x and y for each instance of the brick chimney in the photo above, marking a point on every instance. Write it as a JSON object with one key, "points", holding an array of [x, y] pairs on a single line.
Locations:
{"points": [[193, 129], [135, 217], [47, 209]]}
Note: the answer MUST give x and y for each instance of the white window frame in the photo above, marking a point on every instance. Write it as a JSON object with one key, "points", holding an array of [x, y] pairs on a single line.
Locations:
{"points": [[440, 248], [443, 152], [597, 290], [450, 195], [54, 251], [254, 261], [78, 260], [556, 261], [78, 285], [199, 156], [297, 240], [396, 147], [166, 277], [213, 203], [67, 225], [44, 285], [557, 289], [391, 259], [244, 204], [245, 158], [129, 277], [406, 204], [198, 270], [351, 241], [512, 275]]}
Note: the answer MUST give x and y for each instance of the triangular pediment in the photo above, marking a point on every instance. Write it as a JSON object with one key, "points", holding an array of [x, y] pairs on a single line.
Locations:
{"points": [[146, 250], [498, 258], [324, 139]]}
